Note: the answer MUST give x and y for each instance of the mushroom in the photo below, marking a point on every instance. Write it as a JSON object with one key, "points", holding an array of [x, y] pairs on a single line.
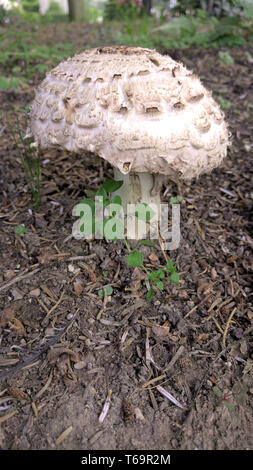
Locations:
{"points": [[146, 114]]}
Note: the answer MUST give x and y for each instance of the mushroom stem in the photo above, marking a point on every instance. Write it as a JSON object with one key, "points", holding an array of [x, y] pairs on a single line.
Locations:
{"points": [[140, 188]]}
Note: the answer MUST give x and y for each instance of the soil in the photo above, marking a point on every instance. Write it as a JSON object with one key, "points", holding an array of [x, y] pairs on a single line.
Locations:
{"points": [[65, 350]]}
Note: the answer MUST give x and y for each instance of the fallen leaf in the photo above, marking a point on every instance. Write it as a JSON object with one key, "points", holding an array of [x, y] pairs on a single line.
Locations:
{"points": [[213, 273], [136, 278], [6, 315], [79, 365], [138, 274], [202, 337], [204, 286], [16, 325], [78, 288], [153, 258], [7, 416], [63, 435], [161, 331], [54, 354], [17, 294], [232, 259], [9, 274], [34, 293], [45, 255], [248, 366]]}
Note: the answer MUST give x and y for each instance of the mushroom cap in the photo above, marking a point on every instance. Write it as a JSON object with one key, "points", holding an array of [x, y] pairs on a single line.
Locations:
{"points": [[139, 110]]}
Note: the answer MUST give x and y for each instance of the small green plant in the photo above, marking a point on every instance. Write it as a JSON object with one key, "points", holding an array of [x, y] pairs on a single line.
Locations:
{"points": [[20, 230], [112, 226], [238, 393], [156, 277], [108, 290], [30, 158], [7, 83], [175, 199], [225, 397], [226, 58], [225, 104]]}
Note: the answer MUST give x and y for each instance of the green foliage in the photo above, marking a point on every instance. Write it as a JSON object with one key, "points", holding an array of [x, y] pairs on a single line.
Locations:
{"points": [[135, 259], [186, 6], [157, 277], [144, 212], [22, 55], [218, 8], [154, 278], [2, 14], [110, 186], [94, 14], [31, 6], [30, 158], [226, 58], [175, 199], [108, 290], [238, 393], [246, 6], [224, 104], [186, 31], [7, 83], [54, 9], [20, 230], [198, 30], [121, 10], [138, 32], [54, 14]]}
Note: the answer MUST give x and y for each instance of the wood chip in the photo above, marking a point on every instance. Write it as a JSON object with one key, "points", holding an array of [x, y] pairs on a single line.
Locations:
{"points": [[161, 331], [79, 365], [18, 278], [43, 389], [63, 435], [6, 315], [105, 407], [34, 293], [78, 288], [8, 416], [227, 326], [151, 381], [169, 396], [153, 400], [34, 408], [54, 354], [16, 325], [96, 437], [5, 362]]}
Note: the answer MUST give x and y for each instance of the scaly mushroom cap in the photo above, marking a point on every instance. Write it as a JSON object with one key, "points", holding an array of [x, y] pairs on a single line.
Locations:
{"points": [[139, 110]]}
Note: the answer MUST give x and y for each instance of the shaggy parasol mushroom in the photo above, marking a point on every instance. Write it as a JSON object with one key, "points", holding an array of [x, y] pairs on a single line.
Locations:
{"points": [[146, 114]]}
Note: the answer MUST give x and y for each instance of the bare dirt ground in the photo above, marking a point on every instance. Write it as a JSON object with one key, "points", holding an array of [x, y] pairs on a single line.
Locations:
{"points": [[63, 348]]}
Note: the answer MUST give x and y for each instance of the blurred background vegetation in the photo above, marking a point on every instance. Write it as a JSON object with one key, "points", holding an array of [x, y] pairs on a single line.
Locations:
{"points": [[37, 34]]}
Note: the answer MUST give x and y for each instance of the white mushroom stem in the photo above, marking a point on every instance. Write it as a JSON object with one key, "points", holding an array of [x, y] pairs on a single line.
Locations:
{"points": [[140, 188]]}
